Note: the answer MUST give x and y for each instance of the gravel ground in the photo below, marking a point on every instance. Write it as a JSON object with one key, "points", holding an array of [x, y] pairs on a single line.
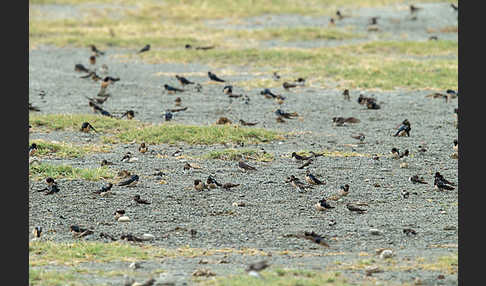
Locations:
{"points": [[273, 208]]}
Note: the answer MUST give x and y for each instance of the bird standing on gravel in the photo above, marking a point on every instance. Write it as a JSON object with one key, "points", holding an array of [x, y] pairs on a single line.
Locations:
{"points": [[81, 68], [355, 208], [287, 86], [214, 77], [245, 166], [137, 199], [360, 136], [200, 185], [316, 238], [95, 51], [129, 114], [132, 181], [104, 189], [37, 231], [86, 127], [323, 205], [183, 81], [404, 129], [311, 179], [142, 148], [171, 89], [144, 49], [228, 186], [32, 149], [416, 179], [298, 157]]}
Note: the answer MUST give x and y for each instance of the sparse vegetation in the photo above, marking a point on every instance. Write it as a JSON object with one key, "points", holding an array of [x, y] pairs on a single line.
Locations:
{"points": [[237, 154], [43, 170], [65, 150]]}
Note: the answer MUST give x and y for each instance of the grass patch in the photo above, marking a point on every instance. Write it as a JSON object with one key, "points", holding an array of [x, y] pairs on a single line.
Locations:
{"points": [[448, 264], [66, 150], [52, 278], [44, 170], [293, 34], [281, 277], [192, 134], [237, 154]]}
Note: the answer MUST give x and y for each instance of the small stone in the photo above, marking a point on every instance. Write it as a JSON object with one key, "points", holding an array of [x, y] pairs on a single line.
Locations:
{"points": [[123, 219], [387, 253], [147, 236], [404, 165], [203, 261], [239, 204], [375, 231]]}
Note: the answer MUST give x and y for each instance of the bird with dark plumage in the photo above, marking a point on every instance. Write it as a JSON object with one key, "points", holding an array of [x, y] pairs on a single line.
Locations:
{"points": [[104, 189], [323, 205], [244, 123], [171, 89], [355, 208], [214, 77], [32, 149], [200, 185], [275, 76], [287, 86], [245, 166], [168, 116], [346, 95], [299, 157], [316, 238], [311, 179], [95, 51], [142, 148], [414, 9], [92, 60], [86, 127], [129, 114], [132, 181], [81, 68], [183, 81], [416, 179], [37, 231], [137, 199], [144, 49], [403, 129]]}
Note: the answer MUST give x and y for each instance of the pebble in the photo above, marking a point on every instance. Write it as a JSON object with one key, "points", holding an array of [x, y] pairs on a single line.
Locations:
{"points": [[148, 236], [123, 219], [387, 253], [375, 231]]}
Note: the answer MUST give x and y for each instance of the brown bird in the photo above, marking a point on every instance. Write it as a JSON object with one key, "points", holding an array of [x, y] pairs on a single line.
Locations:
{"points": [[142, 148], [223, 120], [228, 186], [288, 86], [297, 183], [92, 60], [137, 199], [355, 208], [178, 101], [244, 123], [245, 166]]}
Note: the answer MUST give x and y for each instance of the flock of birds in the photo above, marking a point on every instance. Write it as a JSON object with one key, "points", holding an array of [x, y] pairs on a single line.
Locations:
{"points": [[130, 180]]}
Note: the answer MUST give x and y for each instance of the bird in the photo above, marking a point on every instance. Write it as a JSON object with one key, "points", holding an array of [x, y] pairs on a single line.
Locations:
{"points": [[178, 101], [455, 7], [340, 121], [355, 208], [346, 95], [404, 154], [119, 213], [132, 181], [205, 48], [307, 163], [245, 166], [268, 93], [80, 231], [171, 89], [433, 38], [97, 109], [142, 148], [332, 22], [275, 76], [322, 205], [127, 157], [360, 136], [455, 147], [130, 114], [405, 194], [299, 157], [37, 231], [311, 179], [95, 51], [414, 9], [440, 185], [416, 179], [144, 49], [214, 77], [212, 183], [374, 20], [33, 108], [104, 188], [300, 81], [298, 184], [339, 15], [81, 68], [409, 231], [316, 238], [32, 149], [168, 116], [438, 175], [403, 129], [422, 149], [200, 185], [395, 153], [228, 89], [244, 123], [372, 105], [287, 86], [257, 267], [177, 109], [86, 127], [281, 113], [98, 100], [228, 186], [137, 199], [51, 188], [183, 81], [344, 190]]}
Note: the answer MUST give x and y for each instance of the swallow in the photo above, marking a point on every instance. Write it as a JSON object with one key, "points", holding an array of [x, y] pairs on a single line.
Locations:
{"points": [[287, 86], [212, 183], [372, 105], [98, 100], [404, 129], [228, 186], [95, 51], [332, 22], [339, 15], [438, 175], [171, 89], [178, 101], [97, 108], [275, 76], [416, 179], [395, 153], [307, 163], [354, 208], [228, 89], [363, 100], [200, 185], [92, 60], [455, 147], [223, 120], [281, 113], [142, 148], [454, 7], [109, 79], [86, 127], [129, 114], [322, 205], [311, 179], [433, 38], [131, 237], [37, 231], [267, 93], [344, 190], [213, 77], [300, 81], [346, 95], [440, 185], [104, 189], [297, 183], [80, 231], [33, 108], [168, 116], [119, 213], [81, 68], [316, 238], [245, 166], [404, 154], [144, 49], [183, 81], [374, 20], [360, 136], [299, 157], [409, 231], [137, 199], [244, 123], [414, 9], [405, 194], [33, 149], [132, 181]]}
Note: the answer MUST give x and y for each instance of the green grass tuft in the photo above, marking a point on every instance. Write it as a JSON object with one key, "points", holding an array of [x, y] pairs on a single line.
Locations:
{"points": [[65, 150], [43, 170]]}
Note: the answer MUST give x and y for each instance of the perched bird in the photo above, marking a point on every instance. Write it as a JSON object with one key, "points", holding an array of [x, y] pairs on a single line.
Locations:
{"points": [[414, 9], [455, 7], [355, 208], [228, 186], [183, 81], [409, 231], [214, 77], [171, 89], [81, 68], [404, 154], [80, 231], [212, 183], [416, 179], [316, 238], [37, 231], [244, 123], [438, 175], [178, 101], [33, 108], [360, 136], [275, 76], [131, 237], [268, 93], [281, 113], [395, 153], [245, 166], [95, 51], [104, 188], [119, 213], [86, 127], [300, 81], [254, 268], [297, 183], [456, 146], [346, 95], [144, 49], [405, 194], [344, 190], [132, 181], [404, 129], [299, 157], [127, 157], [137, 199], [129, 114], [372, 105], [311, 179], [92, 60], [97, 109], [440, 185], [288, 86], [168, 116], [199, 185], [142, 148], [307, 163], [32, 149], [322, 205]]}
